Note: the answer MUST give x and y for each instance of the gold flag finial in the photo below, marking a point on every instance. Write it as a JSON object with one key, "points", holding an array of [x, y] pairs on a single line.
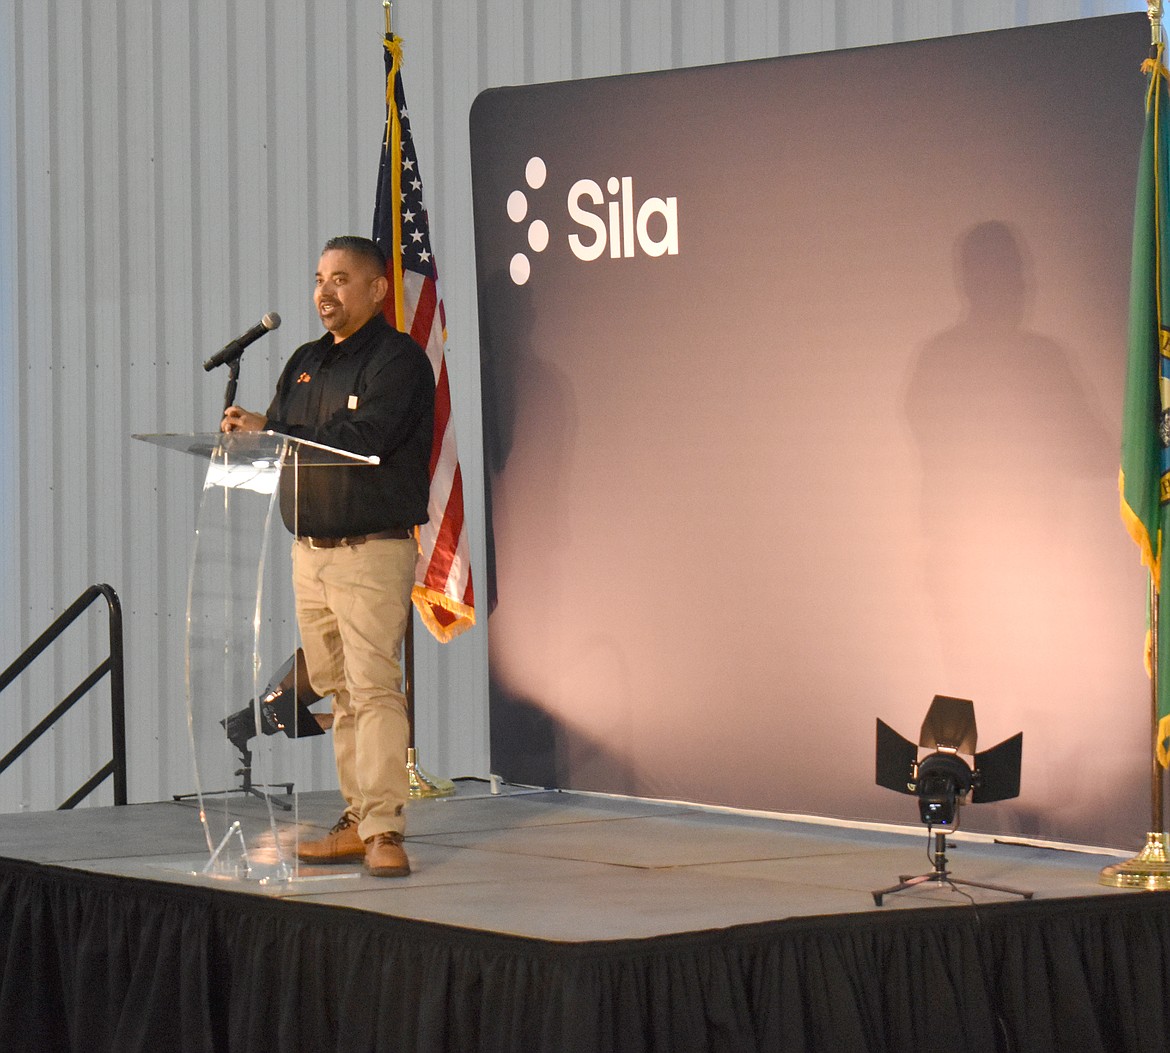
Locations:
{"points": [[386, 5], [1153, 7]]}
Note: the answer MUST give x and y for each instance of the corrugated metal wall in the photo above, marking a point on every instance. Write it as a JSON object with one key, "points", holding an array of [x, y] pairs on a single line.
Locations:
{"points": [[168, 172]]}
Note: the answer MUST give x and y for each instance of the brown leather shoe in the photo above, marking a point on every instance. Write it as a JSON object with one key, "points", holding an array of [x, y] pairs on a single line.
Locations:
{"points": [[341, 845], [385, 856]]}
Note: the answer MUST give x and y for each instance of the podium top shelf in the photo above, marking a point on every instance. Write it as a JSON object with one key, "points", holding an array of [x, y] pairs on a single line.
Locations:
{"points": [[254, 446]]}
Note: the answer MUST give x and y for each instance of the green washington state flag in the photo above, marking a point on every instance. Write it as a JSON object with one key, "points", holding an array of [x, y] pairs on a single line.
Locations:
{"points": [[1145, 437]]}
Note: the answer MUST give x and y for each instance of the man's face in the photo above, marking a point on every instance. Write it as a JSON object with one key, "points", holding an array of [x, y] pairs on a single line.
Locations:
{"points": [[350, 290]]}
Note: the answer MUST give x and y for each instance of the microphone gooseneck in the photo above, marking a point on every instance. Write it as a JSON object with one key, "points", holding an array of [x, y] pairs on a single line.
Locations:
{"points": [[231, 351]]}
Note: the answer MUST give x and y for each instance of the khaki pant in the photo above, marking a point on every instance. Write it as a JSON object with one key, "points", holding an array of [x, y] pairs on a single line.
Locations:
{"points": [[352, 605]]}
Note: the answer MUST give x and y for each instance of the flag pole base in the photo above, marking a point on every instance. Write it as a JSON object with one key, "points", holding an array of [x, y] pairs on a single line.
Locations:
{"points": [[1149, 869], [422, 784]]}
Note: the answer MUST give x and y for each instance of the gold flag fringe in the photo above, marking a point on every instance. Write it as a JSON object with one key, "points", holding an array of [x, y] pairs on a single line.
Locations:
{"points": [[425, 600]]}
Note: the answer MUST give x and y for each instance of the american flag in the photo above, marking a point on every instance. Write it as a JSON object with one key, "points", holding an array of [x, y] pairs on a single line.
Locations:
{"points": [[443, 592]]}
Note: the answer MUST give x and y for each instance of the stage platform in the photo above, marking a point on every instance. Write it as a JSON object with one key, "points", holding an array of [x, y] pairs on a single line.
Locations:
{"points": [[560, 921]]}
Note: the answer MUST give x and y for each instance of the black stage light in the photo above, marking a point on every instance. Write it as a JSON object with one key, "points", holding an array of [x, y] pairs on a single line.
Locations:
{"points": [[281, 708], [942, 781]]}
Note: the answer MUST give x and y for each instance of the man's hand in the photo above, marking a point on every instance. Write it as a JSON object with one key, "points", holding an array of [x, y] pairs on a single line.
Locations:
{"points": [[236, 418]]}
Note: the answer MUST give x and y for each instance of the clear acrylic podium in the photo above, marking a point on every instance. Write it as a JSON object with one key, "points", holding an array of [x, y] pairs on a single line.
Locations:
{"points": [[245, 785]]}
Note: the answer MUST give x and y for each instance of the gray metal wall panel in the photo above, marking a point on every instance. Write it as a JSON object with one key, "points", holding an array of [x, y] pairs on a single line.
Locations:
{"points": [[9, 359], [169, 173]]}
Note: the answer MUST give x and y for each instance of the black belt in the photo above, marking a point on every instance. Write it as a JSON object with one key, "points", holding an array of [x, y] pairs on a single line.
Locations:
{"points": [[395, 533]]}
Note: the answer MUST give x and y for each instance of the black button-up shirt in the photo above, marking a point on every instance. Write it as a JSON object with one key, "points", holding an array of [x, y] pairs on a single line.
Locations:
{"points": [[371, 394]]}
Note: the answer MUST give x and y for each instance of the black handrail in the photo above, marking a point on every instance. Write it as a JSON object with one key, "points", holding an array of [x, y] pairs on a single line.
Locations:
{"points": [[113, 665]]}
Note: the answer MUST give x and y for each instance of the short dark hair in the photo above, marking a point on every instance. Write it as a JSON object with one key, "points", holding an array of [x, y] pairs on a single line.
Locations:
{"points": [[359, 246]]}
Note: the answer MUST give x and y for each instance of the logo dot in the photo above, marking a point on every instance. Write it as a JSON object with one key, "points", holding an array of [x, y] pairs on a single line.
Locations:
{"points": [[519, 269], [613, 184], [535, 172], [517, 206], [538, 235]]}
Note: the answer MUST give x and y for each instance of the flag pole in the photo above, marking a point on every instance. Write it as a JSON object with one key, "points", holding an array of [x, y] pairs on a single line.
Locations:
{"points": [[1150, 868], [1157, 802], [422, 784]]}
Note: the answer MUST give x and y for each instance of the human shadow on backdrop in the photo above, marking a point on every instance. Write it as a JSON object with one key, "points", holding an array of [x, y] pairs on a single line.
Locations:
{"points": [[530, 431], [1017, 469]]}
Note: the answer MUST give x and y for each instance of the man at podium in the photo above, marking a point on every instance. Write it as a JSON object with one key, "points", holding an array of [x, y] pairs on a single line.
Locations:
{"points": [[369, 389]]}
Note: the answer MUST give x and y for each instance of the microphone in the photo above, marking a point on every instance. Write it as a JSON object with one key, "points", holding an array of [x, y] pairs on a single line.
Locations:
{"points": [[230, 352]]}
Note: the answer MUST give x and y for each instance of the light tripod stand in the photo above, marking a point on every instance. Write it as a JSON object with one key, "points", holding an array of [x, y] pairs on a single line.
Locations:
{"points": [[247, 786], [940, 875]]}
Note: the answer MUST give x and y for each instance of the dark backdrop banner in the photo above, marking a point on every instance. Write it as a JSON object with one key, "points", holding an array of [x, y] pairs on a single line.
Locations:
{"points": [[802, 386]]}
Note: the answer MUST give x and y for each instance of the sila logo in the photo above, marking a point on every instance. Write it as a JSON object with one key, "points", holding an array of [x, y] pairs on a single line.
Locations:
{"points": [[617, 223]]}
